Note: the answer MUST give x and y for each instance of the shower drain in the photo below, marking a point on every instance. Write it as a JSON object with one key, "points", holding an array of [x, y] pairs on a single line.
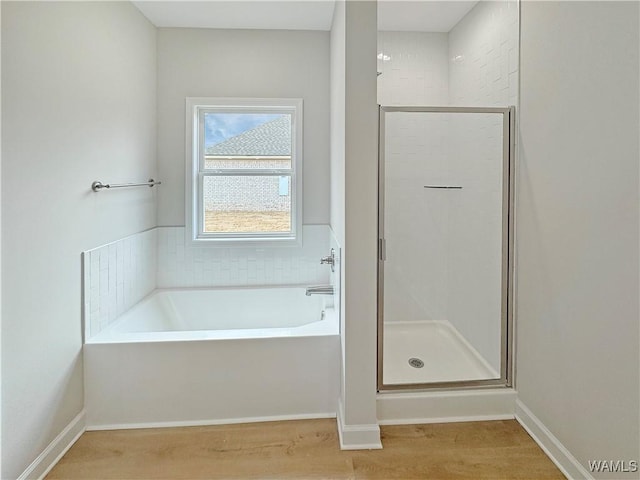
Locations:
{"points": [[416, 363]]}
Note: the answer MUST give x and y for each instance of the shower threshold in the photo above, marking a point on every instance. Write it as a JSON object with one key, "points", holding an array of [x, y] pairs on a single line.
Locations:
{"points": [[445, 355]]}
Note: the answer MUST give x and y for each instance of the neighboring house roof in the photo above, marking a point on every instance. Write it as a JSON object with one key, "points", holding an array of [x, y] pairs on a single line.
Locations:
{"points": [[271, 139]]}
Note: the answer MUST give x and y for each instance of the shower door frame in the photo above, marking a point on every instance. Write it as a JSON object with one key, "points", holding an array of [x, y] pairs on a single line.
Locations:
{"points": [[508, 222]]}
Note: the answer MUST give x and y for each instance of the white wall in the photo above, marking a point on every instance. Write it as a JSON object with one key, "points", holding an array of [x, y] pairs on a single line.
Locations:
{"points": [[337, 133], [78, 105], [337, 154], [0, 242], [577, 228], [357, 412], [242, 63]]}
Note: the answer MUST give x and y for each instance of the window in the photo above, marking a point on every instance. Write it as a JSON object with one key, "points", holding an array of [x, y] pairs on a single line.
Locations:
{"points": [[244, 173]]}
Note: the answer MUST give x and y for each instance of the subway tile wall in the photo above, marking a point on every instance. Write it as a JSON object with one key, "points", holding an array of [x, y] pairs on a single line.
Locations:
{"points": [[414, 67], [416, 219], [483, 53], [335, 276], [116, 277], [180, 265], [475, 64], [436, 271]]}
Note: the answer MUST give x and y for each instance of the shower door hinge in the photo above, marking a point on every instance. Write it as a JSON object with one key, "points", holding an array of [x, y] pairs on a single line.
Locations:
{"points": [[382, 249]]}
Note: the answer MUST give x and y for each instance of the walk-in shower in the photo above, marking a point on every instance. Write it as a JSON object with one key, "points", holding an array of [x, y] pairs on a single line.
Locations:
{"points": [[445, 244]]}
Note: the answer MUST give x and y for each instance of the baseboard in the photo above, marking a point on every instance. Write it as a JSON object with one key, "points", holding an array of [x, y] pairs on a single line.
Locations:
{"points": [[398, 408], [558, 453], [209, 422], [56, 449], [357, 437]]}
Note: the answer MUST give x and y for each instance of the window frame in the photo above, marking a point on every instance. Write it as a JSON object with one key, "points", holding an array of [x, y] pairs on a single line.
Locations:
{"points": [[196, 107]]}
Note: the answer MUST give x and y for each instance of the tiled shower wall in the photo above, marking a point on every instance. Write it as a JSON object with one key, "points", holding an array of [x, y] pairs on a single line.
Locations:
{"points": [[483, 51], [483, 56], [474, 232], [116, 277], [120, 274], [415, 218], [433, 270], [475, 64], [414, 68]]}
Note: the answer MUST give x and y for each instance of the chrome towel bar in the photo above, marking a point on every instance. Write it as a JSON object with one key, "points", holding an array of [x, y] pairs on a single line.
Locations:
{"points": [[97, 186]]}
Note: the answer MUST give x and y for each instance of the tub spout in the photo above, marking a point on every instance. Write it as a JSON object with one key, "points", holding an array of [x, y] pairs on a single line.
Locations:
{"points": [[319, 290]]}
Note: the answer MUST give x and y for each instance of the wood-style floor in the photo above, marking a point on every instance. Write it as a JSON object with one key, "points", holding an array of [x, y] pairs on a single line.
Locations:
{"points": [[307, 449]]}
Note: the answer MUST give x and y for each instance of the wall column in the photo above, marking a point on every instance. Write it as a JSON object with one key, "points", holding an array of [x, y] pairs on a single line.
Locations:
{"points": [[357, 418]]}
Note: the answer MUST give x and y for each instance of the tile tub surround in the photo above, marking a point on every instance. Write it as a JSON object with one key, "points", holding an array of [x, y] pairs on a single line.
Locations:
{"points": [[120, 274], [336, 275], [116, 276], [180, 265]]}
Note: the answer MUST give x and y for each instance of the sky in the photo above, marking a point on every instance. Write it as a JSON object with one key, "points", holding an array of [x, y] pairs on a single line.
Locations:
{"points": [[221, 126]]}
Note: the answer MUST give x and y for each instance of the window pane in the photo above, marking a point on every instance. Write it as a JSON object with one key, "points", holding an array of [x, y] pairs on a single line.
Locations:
{"points": [[247, 140], [247, 204]]}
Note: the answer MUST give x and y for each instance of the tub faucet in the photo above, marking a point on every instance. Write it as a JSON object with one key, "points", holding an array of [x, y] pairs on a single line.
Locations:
{"points": [[319, 290]]}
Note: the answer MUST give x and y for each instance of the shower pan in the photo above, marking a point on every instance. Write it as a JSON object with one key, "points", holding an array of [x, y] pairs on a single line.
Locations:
{"points": [[445, 247]]}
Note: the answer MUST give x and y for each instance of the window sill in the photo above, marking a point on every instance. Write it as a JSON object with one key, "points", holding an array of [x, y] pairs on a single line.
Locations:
{"points": [[250, 242]]}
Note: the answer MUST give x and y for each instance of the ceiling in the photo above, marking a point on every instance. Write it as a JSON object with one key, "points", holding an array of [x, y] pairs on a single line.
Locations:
{"points": [[421, 16], [251, 14], [402, 15]]}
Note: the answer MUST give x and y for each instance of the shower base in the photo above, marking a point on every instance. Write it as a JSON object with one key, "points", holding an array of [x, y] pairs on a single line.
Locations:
{"points": [[446, 355]]}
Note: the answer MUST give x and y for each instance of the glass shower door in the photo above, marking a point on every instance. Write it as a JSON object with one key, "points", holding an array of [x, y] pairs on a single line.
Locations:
{"points": [[444, 270]]}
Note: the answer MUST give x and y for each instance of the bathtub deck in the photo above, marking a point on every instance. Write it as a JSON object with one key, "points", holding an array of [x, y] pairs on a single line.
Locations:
{"points": [[307, 449]]}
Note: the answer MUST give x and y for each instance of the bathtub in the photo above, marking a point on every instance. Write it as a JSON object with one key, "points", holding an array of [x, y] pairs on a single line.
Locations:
{"points": [[208, 356], [224, 313]]}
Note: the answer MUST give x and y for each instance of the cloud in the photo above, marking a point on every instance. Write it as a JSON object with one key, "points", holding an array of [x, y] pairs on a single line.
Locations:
{"points": [[218, 127]]}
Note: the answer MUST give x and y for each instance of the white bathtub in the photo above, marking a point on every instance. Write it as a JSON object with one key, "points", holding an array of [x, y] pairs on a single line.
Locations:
{"points": [[217, 314], [207, 356]]}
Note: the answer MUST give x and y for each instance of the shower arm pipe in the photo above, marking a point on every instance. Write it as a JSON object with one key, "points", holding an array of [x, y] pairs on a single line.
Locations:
{"points": [[97, 186]]}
